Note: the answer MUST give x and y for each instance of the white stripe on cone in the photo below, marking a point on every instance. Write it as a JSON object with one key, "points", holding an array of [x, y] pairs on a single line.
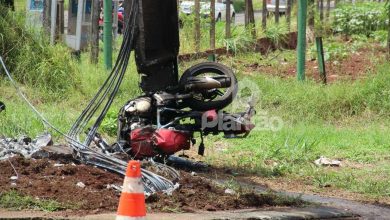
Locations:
{"points": [[121, 217], [133, 185]]}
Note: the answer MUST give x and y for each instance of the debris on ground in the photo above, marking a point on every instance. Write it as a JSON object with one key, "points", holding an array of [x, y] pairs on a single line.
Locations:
{"points": [[80, 184], [230, 191], [39, 178], [198, 193], [323, 161], [23, 146]]}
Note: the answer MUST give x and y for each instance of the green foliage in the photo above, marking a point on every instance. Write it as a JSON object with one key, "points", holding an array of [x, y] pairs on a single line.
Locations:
{"points": [[239, 42], [31, 60], [380, 36], [14, 200], [109, 124], [239, 5], [360, 18], [336, 49], [276, 32]]}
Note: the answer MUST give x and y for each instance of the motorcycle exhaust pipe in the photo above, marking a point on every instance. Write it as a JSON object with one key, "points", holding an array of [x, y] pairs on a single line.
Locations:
{"points": [[206, 83]]}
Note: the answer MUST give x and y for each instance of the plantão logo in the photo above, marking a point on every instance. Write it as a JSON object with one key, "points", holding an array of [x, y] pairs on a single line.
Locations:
{"points": [[248, 112]]}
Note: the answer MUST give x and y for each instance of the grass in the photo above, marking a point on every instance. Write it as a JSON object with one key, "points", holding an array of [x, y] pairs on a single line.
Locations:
{"points": [[14, 200], [344, 120], [348, 121]]}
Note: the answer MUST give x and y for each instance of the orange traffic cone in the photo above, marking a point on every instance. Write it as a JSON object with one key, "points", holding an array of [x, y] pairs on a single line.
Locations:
{"points": [[132, 200]]}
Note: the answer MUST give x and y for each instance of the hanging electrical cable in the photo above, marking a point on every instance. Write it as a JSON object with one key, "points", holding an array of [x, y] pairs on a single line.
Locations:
{"points": [[102, 101]]}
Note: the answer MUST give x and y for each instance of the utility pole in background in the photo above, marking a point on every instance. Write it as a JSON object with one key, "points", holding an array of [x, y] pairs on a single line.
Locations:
{"points": [[53, 21], [46, 16], [60, 21], [107, 34]]}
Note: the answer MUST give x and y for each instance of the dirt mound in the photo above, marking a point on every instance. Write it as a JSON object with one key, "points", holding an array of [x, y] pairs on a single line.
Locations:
{"points": [[47, 179], [58, 180]]}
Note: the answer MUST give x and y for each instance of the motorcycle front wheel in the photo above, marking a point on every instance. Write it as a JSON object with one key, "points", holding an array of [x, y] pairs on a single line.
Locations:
{"points": [[214, 98]]}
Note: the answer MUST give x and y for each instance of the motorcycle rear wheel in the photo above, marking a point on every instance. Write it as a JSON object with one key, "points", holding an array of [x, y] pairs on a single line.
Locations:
{"points": [[218, 102]]}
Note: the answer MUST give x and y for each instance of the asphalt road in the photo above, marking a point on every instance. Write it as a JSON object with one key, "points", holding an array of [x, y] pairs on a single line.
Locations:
{"points": [[240, 17]]}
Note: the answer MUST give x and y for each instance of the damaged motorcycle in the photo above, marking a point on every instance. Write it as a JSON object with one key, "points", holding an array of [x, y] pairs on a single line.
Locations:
{"points": [[163, 120]]}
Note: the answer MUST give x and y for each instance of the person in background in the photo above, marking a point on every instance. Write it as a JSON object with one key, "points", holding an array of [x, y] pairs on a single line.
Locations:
{"points": [[121, 11]]}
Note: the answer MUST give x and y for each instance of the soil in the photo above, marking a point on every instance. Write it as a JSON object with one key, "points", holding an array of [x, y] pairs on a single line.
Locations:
{"points": [[199, 193], [263, 46], [356, 65], [44, 179]]}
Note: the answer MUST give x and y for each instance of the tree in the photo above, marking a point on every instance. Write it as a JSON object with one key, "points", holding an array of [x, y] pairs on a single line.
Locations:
{"points": [[388, 27], [228, 20], [277, 14], [212, 27], [250, 17], [95, 32], [264, 15], [288, 14], [197, 25]]}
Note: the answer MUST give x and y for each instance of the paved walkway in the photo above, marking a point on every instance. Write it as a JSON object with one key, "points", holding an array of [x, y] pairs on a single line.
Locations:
{"points": [[274, 213]]}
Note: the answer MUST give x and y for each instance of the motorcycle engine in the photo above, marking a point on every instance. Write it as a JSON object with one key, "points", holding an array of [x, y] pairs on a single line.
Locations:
{"points": [[143, 138]]}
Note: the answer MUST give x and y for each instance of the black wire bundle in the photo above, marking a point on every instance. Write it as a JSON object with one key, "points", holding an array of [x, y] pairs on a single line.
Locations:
{"points": [[106, 94]]}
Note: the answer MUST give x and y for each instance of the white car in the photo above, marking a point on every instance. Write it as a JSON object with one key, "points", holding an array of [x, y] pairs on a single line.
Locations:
{"points": [[187, 7], [282, 6]]}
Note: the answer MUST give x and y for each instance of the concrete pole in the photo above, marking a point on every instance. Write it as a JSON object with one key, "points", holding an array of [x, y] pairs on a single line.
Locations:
{"points": [[53, 19], [80, 10], [46, 15], [301, 48]]}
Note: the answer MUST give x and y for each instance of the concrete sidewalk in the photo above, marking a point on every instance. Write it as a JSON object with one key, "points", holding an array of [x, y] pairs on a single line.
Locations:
{"points": [[318, 212]]}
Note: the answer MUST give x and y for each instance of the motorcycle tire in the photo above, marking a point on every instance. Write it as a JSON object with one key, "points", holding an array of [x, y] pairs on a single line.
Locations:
{"points": [[219, 102]]}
